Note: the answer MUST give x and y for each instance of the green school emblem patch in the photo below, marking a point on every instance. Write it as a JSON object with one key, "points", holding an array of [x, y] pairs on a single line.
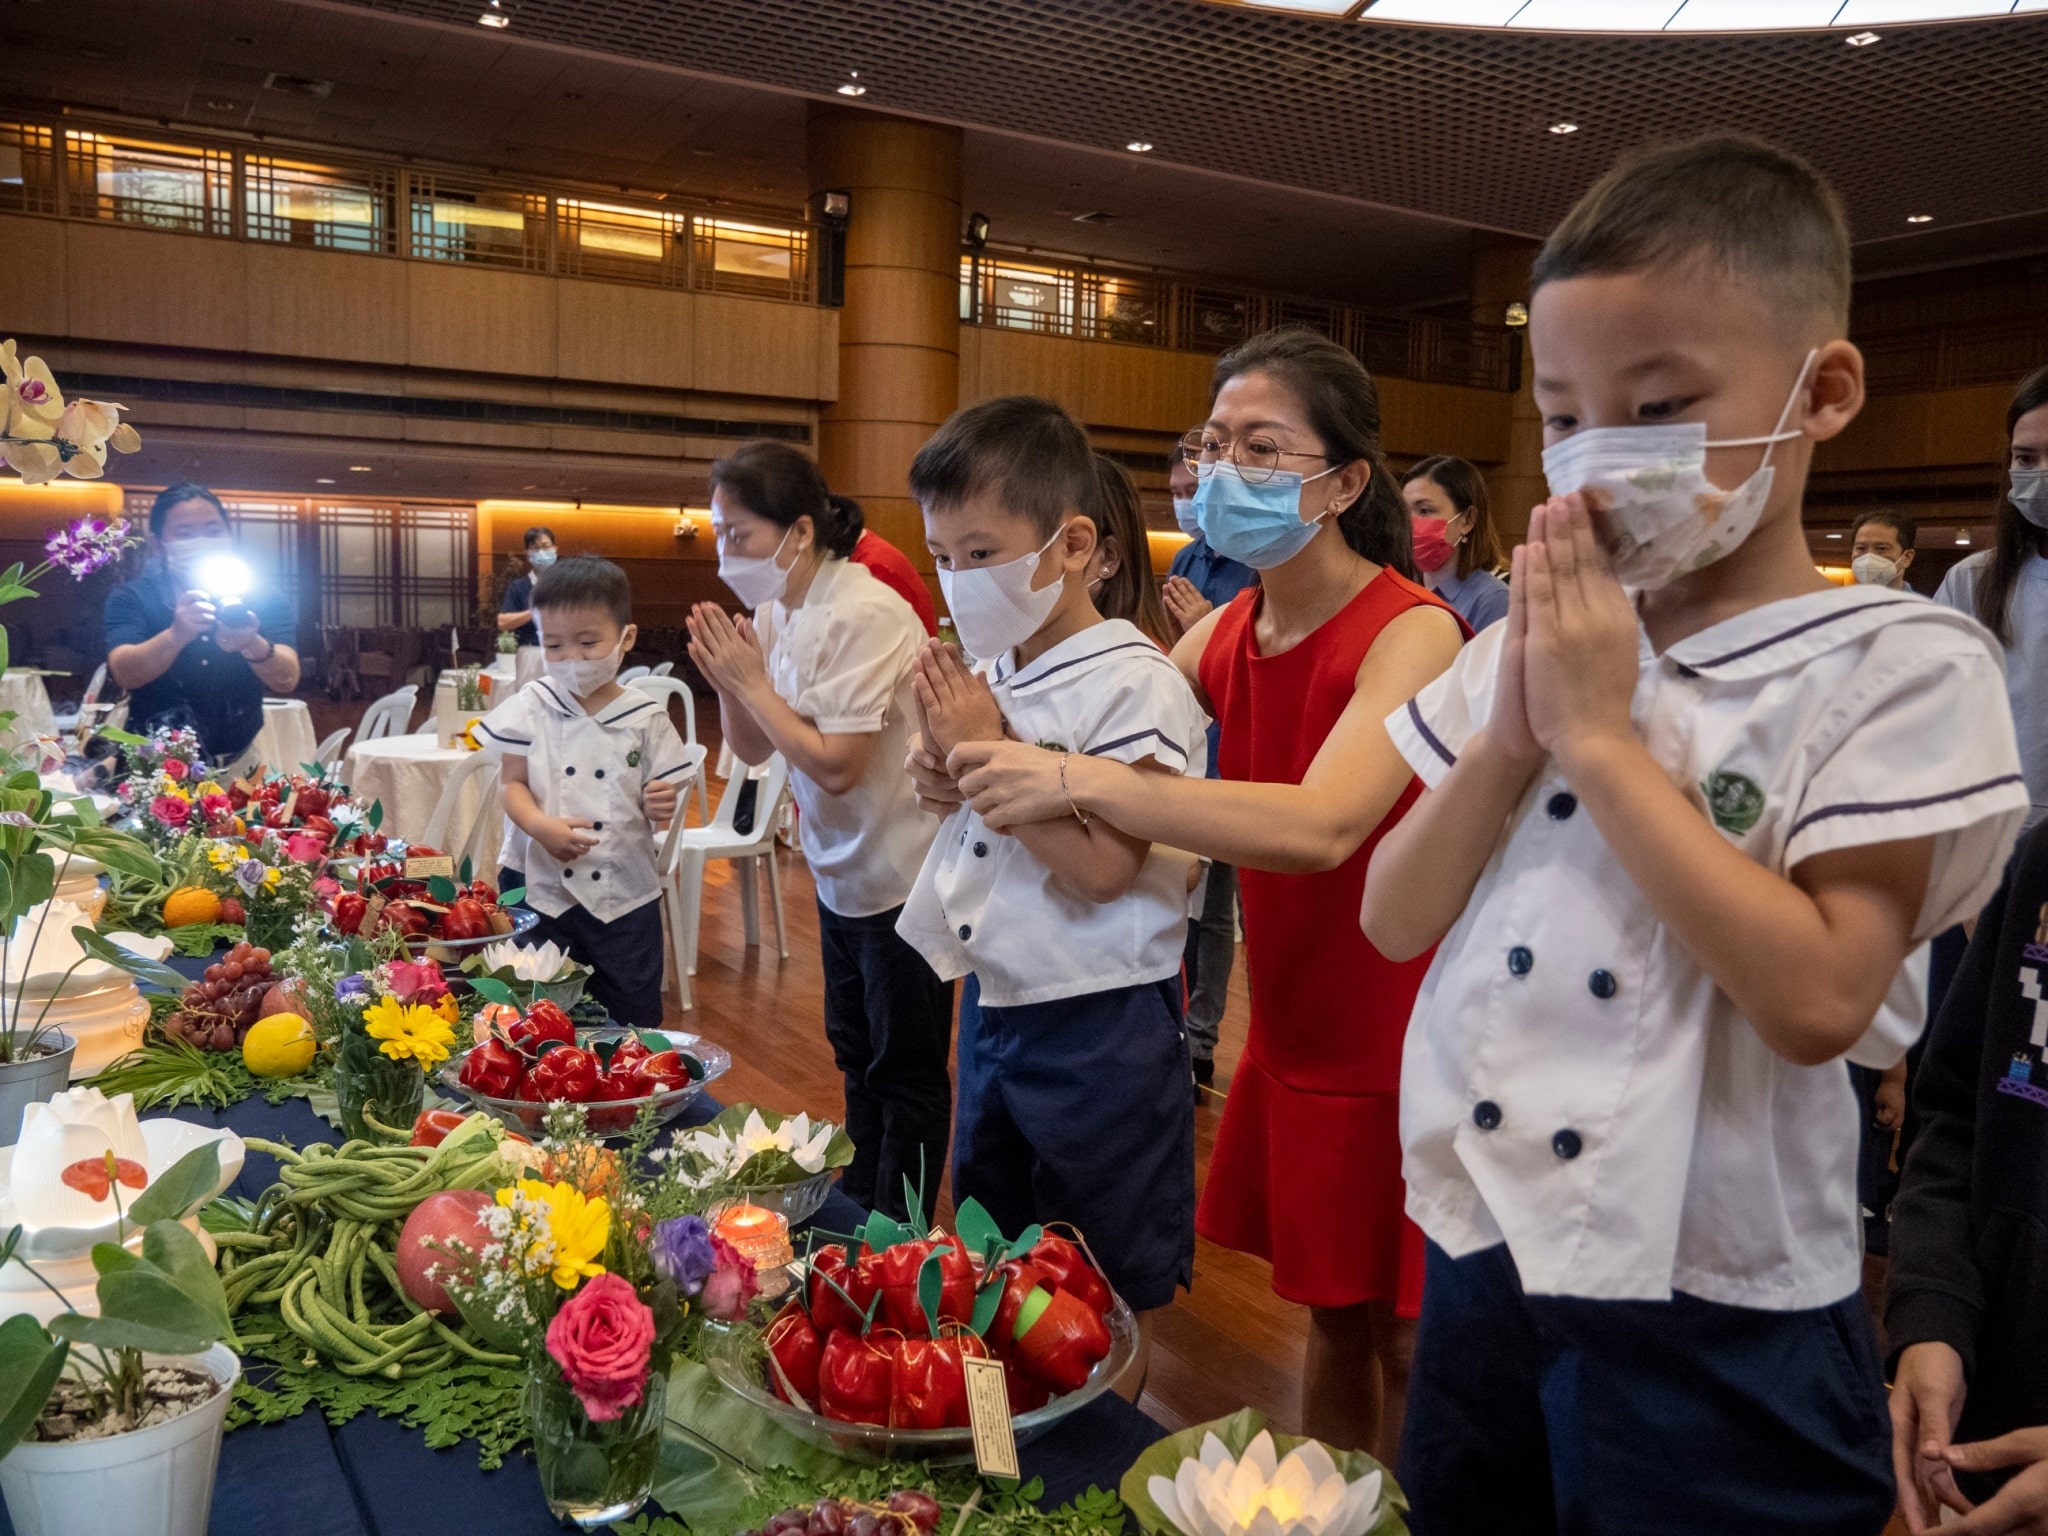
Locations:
{"points": [[1735, 799], [633, 758]]}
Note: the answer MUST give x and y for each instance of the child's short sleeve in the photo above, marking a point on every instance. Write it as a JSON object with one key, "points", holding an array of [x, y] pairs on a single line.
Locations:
{"points": [[1929, 750], [1146, 709], [1431, 729], [510, 729], [662, 748], [851, 672]]}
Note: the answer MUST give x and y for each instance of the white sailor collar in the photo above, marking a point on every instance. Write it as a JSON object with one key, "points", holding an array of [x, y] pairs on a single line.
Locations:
{"points": [[630, 703], [1787, 634], [1082, 653]]}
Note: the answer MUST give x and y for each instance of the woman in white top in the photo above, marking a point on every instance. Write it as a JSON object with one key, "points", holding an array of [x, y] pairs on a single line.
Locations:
{"points": [[822, 674]]}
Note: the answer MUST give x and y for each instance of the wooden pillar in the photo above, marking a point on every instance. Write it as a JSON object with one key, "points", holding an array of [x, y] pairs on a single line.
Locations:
{"points": [[1500, 277], [899, 334]]}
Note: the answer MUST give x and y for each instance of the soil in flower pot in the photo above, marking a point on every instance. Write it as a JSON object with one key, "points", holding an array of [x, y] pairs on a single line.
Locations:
{"points": [[167, 1392]]}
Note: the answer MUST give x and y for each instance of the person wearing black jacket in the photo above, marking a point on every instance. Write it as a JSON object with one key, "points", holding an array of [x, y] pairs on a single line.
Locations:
{"points": [[1966, 1312]]}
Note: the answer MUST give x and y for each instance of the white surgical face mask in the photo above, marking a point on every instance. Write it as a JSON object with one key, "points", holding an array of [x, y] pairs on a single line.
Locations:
{"points": [[1663, 517], [584, 675], [995, 607], [755, 579], [188, 556], [2030, 494], [1184, 514], [1873, 570]]}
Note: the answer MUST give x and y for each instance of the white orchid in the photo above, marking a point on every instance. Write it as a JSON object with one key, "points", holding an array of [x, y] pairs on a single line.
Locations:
{"points": [[721, 1154], [1257, 1495], [542, 963]]}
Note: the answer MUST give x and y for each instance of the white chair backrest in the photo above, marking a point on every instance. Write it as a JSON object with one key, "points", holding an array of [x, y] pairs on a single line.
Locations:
{"points": [[92, 689], [330, 749], [671, 849], [388, 716], [463, 840], [663, 670], [666, 688], [632, 674], [768, 791]]}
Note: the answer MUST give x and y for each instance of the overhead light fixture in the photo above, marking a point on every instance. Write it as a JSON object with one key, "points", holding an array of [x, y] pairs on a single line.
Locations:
{"points": [[359, 469], [493, 16], [853, 87], [1834, 535], [325, 480], [1139, 147], [1563, 128], [1919, 218], [977, 230], [1518, 314], [1847, 18], [1962, 538], [1861, 39]]}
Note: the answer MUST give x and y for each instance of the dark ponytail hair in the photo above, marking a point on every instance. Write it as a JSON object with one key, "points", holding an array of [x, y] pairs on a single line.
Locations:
{"points": [[780, 483], [1131, 593], [1343, 406], [2017, 538]]}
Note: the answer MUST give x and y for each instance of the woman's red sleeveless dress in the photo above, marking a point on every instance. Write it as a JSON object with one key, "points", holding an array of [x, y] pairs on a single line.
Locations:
{"points": [[1307, 1168]]}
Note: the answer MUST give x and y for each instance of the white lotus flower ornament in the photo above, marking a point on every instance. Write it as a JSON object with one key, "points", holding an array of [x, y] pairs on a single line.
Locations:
{"points": [[726, 1153], [1304, 1495], [543, 962]]}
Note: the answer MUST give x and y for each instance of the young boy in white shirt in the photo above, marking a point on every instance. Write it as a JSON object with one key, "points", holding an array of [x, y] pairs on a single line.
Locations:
{"points": [[1073, 1100], [1690, 809], [590, 771]]}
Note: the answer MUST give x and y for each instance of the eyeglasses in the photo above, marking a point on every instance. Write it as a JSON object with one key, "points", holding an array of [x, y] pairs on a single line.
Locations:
{"points": [[1257, 458]]}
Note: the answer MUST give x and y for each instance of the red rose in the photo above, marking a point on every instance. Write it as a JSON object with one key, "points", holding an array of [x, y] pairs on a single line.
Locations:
{"points": [[417, 981], [732, 1282], [601, 1338], [176, 768], [170, 810], [305, 848]]}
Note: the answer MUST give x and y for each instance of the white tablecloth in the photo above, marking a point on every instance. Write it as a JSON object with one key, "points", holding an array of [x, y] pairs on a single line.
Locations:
{"points": [[286, 741], [408, 773], [25, 695]]}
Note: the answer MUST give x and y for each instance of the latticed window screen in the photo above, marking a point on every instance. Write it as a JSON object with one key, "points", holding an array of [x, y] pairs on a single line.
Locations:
{"points": [[604, 240], [765, 260], [302, 204], [452, 222], [163, 186], [436, 565], [28, 168]]}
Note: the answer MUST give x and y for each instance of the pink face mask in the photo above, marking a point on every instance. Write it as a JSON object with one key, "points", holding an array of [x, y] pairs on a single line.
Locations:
{"points": [[1432, 549]]}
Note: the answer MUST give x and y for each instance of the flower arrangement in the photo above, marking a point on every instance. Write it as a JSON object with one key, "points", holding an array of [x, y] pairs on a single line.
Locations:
{"points": [[42, 437], [748, 1148], [389, 1022], [164, 788]]}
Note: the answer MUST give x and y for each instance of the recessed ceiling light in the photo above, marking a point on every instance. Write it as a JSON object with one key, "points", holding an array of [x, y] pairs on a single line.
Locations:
{"points": [[325, 480], [1919, 218], [1962, 538], [359, 469], [1139, 147], [1564, 127], [853, 87], [494, 17], [1834, 535], [1861, 39]]}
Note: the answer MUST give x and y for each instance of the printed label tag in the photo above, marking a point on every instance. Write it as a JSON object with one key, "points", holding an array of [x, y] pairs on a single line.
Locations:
{"points": [[988, 1410], [430, 866]]}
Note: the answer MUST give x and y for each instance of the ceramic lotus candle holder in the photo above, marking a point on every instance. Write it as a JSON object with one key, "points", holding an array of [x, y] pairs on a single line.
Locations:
{"points": [[1262, 1494]]}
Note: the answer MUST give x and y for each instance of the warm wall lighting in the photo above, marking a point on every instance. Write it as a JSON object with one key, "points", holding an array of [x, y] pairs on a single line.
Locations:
{"points": [[1919, 218], [325, 480], [493, 17], [1518, 314], [1139, 147], [359, 469], [1563, 128]]}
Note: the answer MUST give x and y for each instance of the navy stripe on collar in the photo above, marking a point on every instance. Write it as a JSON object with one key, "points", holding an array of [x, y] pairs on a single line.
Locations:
{"points": [[615, 713], [1429, 737], [1881, 807], [1024, 680], [1787, 634]]}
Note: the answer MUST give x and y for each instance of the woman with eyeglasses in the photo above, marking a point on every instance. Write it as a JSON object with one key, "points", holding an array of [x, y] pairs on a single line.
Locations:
{"points": [[1300, 671]]}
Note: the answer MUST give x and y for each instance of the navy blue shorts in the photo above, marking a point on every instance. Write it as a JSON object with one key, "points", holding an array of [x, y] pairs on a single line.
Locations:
{"points": [[1541, 1414], [1079, 1110], [625, 955]]}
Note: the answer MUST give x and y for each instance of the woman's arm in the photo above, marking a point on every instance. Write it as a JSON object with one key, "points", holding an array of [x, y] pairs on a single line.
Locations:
{"points": [[518, 619], [758, 719], [1356, 776], [134, 666]]}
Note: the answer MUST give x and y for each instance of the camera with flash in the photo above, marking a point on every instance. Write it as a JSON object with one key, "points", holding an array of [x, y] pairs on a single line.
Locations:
{"points": [[227, 581]]}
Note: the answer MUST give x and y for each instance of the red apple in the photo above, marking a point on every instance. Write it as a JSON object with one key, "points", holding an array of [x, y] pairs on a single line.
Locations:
{"points": [[436, 1224], [287, 996]]}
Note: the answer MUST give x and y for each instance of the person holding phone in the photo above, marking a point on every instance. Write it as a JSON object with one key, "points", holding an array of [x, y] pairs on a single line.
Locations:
{"points": [[191, 651]]}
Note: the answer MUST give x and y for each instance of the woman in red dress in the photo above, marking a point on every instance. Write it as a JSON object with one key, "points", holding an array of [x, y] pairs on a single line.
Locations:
{"points": [[1300, 672]]}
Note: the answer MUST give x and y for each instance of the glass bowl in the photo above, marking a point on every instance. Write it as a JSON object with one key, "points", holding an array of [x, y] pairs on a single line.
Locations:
{"points": [[455, 951], [796, 1203], [613, 1117], [735, 1359]]}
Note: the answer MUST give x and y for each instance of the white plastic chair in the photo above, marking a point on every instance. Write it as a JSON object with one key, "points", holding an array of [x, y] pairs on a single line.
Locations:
{"points": [[390, 715], [666, 688], [663, 670], [330, 749], [690, 848], [479, 839], [632, 675]]}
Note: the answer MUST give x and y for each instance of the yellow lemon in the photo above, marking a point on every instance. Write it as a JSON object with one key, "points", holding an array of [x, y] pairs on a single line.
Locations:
{"points": [[279, 1046]]}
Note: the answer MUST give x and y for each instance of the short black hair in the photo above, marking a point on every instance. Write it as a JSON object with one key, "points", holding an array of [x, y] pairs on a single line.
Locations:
{"points": [[538, 532], [176, 495], [1026, 452], [1735, 203], [585, 581], [1898, 522]]}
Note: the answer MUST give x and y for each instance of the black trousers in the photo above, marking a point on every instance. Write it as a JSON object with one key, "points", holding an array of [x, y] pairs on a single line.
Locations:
{"points": [[625, 955], [889, 1022]]}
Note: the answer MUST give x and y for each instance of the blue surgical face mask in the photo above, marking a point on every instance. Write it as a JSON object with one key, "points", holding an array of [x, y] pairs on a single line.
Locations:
{"points": [[540, 559], [1184, 515], [1257, 525]]}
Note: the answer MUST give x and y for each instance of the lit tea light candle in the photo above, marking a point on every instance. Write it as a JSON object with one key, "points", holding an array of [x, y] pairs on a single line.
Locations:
{"points": [[759, 1234]]}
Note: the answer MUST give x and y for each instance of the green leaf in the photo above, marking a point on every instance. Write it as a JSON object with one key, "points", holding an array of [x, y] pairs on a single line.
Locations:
{"points": [[1237, 1432], [311, 770], [987, 1302], [172, 1248], [513, 897], [30, 1362], [931, 1289], [492, 990], [35, 879], [169, 1300], [376, 816], [120, 852], [466, 871], [124, 738], [913, 1206], [5, 655], [155, 972], [181, 1188], [441, 888], [975, 1227], [1025, 1241]]}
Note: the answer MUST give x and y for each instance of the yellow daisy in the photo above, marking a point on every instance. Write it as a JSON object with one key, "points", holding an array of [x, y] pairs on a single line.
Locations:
{"points": [[408, 1031], [577, 1229]]}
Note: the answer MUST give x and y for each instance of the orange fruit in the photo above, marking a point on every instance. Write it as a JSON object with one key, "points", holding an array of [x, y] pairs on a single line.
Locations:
{"points": [[190, 904], [592, 1169]]}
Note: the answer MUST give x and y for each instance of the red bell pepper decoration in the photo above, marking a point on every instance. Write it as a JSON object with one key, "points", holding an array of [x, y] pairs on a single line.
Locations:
{"points": [[1060, 1340], [1071, 1272], [956, 1301], [406, 918], [313, 801], [465, 919], [662, 1072], [613, 1086], [433, 1125], [544, 1021], [793, 1341], [349, 910], [566, 1072], [830, 1310], [495, 1069], [1020, 1278], [853, 1380], [628, 1054], [901, 1309]]}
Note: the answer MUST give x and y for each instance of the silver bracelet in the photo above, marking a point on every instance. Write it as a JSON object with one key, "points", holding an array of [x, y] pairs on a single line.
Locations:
{"points": [[1079, 815]]}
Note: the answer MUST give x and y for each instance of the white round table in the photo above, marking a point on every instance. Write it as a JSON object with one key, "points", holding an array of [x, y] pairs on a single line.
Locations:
{"points": [[25, 695], [286, 741], [407, 774]]}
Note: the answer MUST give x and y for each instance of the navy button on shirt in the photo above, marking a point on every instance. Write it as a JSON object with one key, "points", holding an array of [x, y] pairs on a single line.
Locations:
{"points": [[216, 692]]}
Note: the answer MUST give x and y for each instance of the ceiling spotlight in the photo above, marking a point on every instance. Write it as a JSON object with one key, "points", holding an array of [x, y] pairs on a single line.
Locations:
{"points": [[493, 16], [1861, 39], [359, 469], [1561, 128], [325, 480], [853, 87], [1139, 147], [977, 231], [1919, 218], [1834, 535]]}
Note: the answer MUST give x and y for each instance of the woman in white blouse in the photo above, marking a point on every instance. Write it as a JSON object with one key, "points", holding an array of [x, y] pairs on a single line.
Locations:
{"points": [[822, 675]]}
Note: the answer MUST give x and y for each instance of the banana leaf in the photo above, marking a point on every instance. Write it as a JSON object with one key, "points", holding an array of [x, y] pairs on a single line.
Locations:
{"points": [[1237, 1432], [716, 1445]]}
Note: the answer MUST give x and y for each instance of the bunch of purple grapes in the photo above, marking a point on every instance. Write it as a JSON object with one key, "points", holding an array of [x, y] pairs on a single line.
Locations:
{"points": [[217, 1010], [906, 1513]]}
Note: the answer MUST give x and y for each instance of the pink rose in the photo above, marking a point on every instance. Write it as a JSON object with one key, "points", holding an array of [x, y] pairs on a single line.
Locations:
{"points": [[175, 769], [326, 888], [216, 807], [170, 810], [417, 981], [305, 848], [602, 1338], [732, 1282]]}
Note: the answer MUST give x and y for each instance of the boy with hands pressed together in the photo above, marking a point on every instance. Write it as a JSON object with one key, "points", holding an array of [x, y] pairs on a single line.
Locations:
{"points": [[1690, 810]]}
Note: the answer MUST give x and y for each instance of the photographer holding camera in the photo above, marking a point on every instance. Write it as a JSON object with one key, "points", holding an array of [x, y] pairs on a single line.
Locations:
{"points": [[190, 640]]}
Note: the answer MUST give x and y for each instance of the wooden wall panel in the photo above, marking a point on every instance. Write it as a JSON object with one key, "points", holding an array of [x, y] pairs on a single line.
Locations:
{"points": [[749, 347], [904, 376], [159, 289], [325, 304], [1947, 427], [1418, 419], [625, 335], [998, 362], [33, 277], [475, 321], [893, 303], [1144, 389]]}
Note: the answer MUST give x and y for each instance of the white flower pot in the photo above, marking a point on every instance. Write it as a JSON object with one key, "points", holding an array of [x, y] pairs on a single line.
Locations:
{"points": [[151, 1482]]}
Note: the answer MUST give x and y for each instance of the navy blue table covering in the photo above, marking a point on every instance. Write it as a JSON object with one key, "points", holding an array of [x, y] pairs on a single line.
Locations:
{"points": [[376, 1477]]}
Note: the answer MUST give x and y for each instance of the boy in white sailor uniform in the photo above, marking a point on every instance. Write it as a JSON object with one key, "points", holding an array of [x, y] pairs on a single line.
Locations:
{"points": [[590, 772], [1073, 1100], [1689, 811]]}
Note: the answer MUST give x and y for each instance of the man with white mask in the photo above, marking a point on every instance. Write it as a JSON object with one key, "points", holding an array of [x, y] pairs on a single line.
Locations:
{"points": [[1881, 548]]}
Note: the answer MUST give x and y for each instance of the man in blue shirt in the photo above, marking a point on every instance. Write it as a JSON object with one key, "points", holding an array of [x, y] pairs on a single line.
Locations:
{"points": [[1202, 579], [515, 608]]}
